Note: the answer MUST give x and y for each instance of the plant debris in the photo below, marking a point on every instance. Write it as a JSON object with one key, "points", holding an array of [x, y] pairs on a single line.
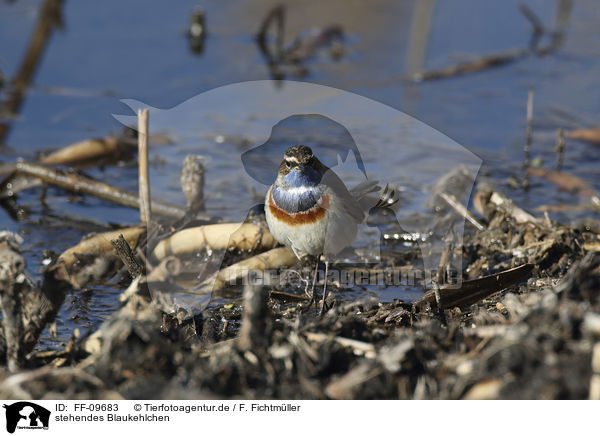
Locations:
{"points": [[527, 330]]}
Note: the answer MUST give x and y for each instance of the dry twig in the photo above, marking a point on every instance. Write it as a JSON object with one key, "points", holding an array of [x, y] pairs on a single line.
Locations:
{"points": [[143, 176], [80, 184]]}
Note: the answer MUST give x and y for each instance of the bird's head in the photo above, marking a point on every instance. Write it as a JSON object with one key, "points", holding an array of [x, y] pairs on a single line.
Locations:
{"points": [[299, 168]]}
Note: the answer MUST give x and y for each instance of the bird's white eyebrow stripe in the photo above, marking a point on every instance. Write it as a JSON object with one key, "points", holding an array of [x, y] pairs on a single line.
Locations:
{"points": [[291, 159]]}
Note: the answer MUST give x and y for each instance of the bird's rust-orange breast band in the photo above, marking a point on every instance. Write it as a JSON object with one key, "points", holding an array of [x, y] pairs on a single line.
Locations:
{"points": [[312, 215]]}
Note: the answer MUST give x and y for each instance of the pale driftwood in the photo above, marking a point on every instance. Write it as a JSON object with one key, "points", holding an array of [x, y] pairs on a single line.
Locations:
{"points": [[358, 347], [272, 259], [83, 151], [190, 241], [345, 387], [506, 205], [592, 246], [143, 171], [92, 257], [492, 331], [132, 290], [595, 379], [485, 390], [100, 244]]}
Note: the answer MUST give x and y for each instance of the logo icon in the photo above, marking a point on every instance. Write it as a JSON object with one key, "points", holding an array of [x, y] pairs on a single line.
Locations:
{"points": [[26, 415]]}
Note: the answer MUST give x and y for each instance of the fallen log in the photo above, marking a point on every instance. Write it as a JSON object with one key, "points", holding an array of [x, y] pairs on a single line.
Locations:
{"points": [[272, 259], [214, 237], [84, 185], [92, 258]]}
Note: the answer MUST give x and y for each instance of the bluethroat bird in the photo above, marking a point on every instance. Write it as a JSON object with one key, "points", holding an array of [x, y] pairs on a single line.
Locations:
{"points": [[309, 209]]}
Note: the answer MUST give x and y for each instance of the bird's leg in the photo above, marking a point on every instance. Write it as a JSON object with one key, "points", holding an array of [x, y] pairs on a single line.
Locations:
{"points": [[323, 305], [312, 292]]}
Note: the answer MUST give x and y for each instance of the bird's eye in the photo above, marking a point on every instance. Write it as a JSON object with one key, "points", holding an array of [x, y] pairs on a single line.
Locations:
{"points": [[288, 164]]}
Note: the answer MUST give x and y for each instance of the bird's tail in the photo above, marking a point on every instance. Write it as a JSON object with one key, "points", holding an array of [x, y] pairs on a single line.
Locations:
{"points": [[386, 198]]}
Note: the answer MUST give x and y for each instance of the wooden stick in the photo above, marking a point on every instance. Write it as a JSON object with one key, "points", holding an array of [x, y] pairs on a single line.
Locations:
{"points": [[503, 58], [461, 210], [276, 14], [143, 177], [80, 184], [529, 132], [560, 148], [127, 257], [48, 20], [479, 64], [507, 205], [359, 347], [443, 273], [273, 59], [536, 23]]}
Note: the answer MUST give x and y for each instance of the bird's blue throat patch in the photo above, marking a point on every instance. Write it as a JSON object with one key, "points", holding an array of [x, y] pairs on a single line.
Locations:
{"points": [[296, 199], [307, 177]]}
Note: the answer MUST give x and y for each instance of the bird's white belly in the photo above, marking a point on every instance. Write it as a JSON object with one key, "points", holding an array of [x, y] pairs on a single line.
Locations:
{"points": [[305, 238], [327, 236]]}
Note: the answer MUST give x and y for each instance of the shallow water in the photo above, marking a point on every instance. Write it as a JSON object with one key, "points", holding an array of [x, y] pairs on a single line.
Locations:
{"points": [[112, 50]]}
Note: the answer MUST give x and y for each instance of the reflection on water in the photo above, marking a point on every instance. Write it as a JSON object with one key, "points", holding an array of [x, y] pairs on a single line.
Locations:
{"points": [[112, 50]]}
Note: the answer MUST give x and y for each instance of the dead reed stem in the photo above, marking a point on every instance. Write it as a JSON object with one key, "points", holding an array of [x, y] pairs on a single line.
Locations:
{"points": [[49, 18], [84, 185], [529, 132], [560, 149], [144, 180]]}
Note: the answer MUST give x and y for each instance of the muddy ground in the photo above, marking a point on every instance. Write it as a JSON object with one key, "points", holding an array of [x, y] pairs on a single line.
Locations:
{"points": [[536, 339]]}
